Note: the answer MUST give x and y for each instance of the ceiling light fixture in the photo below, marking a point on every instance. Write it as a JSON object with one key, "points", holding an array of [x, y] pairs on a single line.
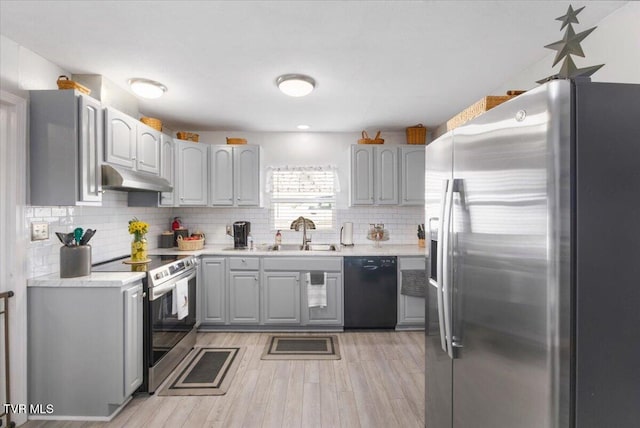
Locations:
{"points": [[303, 127], [296, 85], [147, 88]]}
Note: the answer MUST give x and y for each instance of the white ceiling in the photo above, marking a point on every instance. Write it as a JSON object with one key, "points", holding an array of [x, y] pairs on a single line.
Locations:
{"points": [[378, 64]]}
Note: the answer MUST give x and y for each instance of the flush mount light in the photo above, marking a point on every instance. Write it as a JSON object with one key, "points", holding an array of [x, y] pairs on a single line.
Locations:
{"points": [[147, 88], [295, 85], [303, 127]]}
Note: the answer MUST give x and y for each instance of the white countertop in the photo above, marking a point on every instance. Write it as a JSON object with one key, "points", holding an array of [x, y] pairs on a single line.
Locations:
{"points": [[356, 250], [118, 279], [96, 279]]}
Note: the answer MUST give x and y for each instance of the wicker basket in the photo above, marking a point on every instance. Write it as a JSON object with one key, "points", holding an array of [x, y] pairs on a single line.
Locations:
{"points": [[152, 122], [65, 83], [196, 244], [366, 140], [189, 136], [417, 134], [483, 105], [236, 141]]}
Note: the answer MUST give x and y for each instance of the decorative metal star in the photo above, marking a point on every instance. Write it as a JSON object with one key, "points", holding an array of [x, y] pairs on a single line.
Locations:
{"points": [[571, 17], [570, 44]]}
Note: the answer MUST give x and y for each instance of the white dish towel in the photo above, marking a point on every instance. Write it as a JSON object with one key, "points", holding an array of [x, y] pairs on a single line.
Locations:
{"points": [[181, 298], [317, 292]]}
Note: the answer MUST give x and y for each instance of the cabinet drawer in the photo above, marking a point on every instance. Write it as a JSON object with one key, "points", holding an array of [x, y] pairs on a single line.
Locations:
{"points": [[411, 263], [244, 263], [327, 264]]}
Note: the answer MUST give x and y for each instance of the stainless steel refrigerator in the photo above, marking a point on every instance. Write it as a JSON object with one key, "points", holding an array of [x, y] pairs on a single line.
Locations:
{"points": [[533, 212]]}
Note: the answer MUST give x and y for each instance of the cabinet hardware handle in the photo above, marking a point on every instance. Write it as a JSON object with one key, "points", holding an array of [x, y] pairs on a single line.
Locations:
{"points": [[133, 158]]}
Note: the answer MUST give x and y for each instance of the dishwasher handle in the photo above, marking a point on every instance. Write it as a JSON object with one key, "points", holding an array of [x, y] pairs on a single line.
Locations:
{"points": [[370, 267]]}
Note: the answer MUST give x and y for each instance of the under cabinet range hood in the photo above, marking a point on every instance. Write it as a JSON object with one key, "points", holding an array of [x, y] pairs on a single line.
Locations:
{"points": [[118, 178]]}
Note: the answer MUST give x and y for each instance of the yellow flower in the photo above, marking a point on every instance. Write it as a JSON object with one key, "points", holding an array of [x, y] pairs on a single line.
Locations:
{"points": [[138, 228]]}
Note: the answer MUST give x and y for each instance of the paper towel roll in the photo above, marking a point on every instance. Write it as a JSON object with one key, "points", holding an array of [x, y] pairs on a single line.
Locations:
{"points": [[346, 234]]}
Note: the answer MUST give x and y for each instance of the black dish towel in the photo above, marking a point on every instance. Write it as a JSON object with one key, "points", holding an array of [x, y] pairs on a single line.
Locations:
{"points": [[414, 283], [316, 278]]}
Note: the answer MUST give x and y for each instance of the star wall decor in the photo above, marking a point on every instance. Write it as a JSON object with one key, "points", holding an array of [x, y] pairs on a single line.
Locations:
{"points": [[570, 45]]}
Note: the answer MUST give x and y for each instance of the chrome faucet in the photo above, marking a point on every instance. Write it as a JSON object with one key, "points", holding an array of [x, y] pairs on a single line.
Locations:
{"points": [[306, 224]]}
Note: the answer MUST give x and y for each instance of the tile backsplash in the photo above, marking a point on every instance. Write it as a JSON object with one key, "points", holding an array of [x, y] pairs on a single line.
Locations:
{"points": [[113, 240]]}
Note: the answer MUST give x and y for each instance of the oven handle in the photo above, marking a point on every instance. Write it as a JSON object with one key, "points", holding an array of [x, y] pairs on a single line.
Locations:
{"points": [[161, 290]]}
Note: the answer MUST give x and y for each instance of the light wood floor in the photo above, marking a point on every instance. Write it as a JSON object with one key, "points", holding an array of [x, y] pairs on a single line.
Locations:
{"points": [[379, 382]]}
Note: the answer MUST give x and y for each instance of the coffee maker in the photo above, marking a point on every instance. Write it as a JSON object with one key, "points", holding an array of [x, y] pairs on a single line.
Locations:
{"points": [[241, 230]]}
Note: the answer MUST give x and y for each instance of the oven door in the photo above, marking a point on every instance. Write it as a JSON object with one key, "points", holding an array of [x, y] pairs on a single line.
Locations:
{"points": [[166, 330]]}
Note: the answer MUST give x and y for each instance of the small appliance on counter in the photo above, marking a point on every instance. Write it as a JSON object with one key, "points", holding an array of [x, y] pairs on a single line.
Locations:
{"points": [[241, 231], [346, 234]]}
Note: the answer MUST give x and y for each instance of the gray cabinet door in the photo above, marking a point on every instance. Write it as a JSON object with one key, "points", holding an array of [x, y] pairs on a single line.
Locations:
{"points": [[148, 149], [90, 146], [412, 174], [214, 287], [246, 175], [192, 173], [280, 298], [132, 338], [386, 175], [362, 165], [221, 175], [120, 138], [332, 314], [167, 169], [244, 297], [411, 310], [65, 148]]}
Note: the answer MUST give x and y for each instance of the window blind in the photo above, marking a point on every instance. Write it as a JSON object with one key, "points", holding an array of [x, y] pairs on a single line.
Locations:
{"points": [[309, 192]]}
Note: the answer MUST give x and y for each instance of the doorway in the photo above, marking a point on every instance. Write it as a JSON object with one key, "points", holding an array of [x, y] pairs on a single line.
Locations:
{"points": [[13, 245]]}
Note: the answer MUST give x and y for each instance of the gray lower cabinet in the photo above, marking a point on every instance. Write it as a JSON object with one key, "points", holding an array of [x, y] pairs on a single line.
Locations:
{"points": [[411, 310], [332, 314], [84, 348], [213, 291], [280, 298], [244, 290], [284, 291]]}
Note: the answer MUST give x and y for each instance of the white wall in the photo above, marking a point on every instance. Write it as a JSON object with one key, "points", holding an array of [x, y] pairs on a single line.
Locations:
{"points": [[615, 43]]}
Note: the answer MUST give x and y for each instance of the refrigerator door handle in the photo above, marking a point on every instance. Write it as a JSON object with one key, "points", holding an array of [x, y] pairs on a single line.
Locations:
{"points": [[446, 280], [439, 267]]}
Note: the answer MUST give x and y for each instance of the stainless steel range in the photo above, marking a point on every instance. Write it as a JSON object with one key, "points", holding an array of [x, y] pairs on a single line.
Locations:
{"points": [[169, 334]]}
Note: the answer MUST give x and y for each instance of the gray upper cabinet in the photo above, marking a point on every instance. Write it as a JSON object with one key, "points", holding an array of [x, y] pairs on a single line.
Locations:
{"points": [[66, 146], [246, 175], [234, 173], [362, 165], [167, 169], [120, 138], [148, 149], [191, 173], [221, 175], [412, 175], [130, 143], [374, 175]]}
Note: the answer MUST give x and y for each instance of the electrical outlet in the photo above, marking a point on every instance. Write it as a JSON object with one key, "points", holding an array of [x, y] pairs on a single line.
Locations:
{"points": [[39, 231]]}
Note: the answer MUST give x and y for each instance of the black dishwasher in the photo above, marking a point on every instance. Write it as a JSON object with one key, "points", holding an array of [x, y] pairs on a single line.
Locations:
{"points": [[370, 292]]}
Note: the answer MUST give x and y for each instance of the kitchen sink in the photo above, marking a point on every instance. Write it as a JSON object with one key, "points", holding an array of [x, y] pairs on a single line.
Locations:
{"points": [[308, 247]]}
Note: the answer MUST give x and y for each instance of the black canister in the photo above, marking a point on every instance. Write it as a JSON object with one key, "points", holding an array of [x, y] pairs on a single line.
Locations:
{"points": [[167, 239], [179, 232], [75, 261]]}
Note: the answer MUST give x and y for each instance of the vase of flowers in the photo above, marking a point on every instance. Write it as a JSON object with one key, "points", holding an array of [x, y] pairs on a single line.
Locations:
{"points": [[139, 230]]}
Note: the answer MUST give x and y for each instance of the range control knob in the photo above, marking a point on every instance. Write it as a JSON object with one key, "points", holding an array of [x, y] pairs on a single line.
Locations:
{"points": [[158, 275]]}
